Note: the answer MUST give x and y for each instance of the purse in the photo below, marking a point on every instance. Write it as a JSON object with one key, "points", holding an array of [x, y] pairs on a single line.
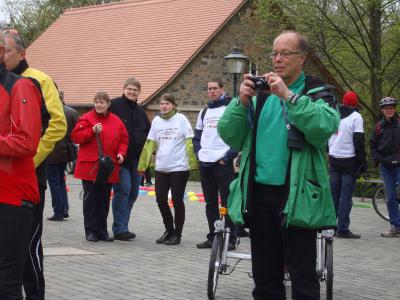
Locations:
{"points": [[296, 139], [105, 164]]}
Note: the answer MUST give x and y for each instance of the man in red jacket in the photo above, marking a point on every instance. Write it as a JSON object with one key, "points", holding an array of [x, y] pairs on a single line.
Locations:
{"points": [[20, 127]]}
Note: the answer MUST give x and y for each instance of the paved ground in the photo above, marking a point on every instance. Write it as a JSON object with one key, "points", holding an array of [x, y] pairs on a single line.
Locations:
{"points": [[368, 268]]}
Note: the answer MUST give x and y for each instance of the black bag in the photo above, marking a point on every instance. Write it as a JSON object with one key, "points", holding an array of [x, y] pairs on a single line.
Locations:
{"points": [[296, 139], [106, 165], [72, 151]]}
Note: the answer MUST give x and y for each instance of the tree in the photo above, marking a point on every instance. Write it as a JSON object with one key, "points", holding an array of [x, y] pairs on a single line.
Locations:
{"points": [[358, 41], [32, 17]]}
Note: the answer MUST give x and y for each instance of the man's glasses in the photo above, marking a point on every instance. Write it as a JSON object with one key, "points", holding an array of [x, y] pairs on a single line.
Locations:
{"points": [[15, 33], [283, 54]]}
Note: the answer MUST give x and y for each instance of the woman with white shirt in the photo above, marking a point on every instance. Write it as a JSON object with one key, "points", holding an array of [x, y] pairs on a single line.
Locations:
{"points": [[171, 137]]}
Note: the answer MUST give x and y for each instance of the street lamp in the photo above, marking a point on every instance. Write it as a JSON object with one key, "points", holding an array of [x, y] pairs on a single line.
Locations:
{"points": [[235, 63]]}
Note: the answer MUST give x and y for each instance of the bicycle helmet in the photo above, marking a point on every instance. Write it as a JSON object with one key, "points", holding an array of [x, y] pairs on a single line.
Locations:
{"points": [[387, 101]]}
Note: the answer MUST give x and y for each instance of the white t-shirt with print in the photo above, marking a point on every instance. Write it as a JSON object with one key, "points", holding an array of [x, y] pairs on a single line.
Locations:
{"points": [[170, 136], [213, 147], [341, 143]]}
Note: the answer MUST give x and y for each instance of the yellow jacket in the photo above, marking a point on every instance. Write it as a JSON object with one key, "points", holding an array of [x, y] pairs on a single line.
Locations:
{"points": [[57, 123]]}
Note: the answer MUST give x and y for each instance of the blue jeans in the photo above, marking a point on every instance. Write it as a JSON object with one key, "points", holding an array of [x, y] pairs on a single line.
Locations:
{"points": [[391, 178], [58, 189], [342, 187], [125, 194]]}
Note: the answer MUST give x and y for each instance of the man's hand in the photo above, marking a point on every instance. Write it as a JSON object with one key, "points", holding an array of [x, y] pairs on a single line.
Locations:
{"points": [[277, 85], [246, 90], [120, 158], [141, 172]]}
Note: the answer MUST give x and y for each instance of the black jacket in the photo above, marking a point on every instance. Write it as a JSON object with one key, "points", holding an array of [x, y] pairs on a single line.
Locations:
{"points": [[65, 151], [385, 142], [137, 124]]}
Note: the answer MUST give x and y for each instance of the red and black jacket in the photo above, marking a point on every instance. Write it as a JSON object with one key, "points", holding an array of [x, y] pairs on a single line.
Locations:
{"points": [[20, 130]]}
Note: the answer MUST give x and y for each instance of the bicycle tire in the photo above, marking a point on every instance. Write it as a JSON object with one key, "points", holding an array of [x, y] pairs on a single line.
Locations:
{"points": [[329, 268], [214, 267], [379, 203]]}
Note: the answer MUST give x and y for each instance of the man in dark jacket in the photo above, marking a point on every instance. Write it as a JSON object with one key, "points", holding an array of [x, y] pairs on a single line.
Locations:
{"points": [[138, 126], [347, 160], [20, 128], [64, 151], [385, 150]]}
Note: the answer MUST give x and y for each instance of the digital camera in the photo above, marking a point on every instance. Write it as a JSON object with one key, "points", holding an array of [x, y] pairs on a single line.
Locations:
{"points": [[260, 83]]}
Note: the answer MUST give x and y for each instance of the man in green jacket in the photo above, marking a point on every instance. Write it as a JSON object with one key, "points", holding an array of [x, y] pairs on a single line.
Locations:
{"points": [[282, 174]]}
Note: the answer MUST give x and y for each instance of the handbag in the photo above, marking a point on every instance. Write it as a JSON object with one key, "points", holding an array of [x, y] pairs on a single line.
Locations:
{"points": [[296, 139], [105, 164]]}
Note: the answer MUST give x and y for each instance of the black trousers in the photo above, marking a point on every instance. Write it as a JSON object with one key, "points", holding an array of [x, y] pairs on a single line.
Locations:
{"points": [[33, 278], [273, 248], [96, 205], [215, 180], [15, 228], [176, 181]]}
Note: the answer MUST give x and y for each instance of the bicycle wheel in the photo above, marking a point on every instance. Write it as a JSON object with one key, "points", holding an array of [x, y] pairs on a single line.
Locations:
{"points": [[379, 203], [214, 267], [329, 268]]}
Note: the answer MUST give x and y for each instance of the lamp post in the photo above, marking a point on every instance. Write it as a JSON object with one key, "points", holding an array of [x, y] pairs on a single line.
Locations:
{"points": [[235, 63]]}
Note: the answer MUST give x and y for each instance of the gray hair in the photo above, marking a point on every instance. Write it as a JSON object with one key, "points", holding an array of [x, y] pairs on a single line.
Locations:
{"points": [[19, 41]]}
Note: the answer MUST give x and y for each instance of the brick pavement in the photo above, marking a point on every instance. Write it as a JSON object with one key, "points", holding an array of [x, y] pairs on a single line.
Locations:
{"points": [[140, 269]]}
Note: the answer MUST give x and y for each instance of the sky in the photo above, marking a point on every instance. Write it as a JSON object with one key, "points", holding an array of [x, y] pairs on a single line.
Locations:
{"points": [[3, 15]]}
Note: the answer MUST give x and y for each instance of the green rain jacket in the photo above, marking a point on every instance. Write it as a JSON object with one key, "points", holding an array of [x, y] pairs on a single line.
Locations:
{"points": [[315, 115]]}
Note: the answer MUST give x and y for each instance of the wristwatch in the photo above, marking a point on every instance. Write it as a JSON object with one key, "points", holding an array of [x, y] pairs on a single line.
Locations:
{"points": [[292, 97]]}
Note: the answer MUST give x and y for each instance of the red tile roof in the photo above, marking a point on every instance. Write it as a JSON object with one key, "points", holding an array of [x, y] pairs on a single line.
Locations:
{"points": [[96, 48]]}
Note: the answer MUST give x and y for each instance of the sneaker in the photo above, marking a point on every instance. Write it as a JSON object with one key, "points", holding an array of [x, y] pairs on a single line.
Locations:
{"points": [[173, 240], [393, 232], [91, 237], [163, 238], [204, 245], [66, 215], [347, 235], [54, 218], [124, 236]]}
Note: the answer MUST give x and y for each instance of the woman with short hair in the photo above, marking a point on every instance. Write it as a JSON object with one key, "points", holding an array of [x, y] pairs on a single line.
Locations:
{"points": [[114, 139]]}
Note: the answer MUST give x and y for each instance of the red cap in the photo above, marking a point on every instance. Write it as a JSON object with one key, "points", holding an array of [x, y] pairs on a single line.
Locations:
{"points": [[350, 99]]}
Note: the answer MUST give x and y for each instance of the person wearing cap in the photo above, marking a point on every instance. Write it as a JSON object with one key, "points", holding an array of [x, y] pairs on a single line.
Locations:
{"points": [[347, 161], [53, 130], [171, 137], [385, 151]]}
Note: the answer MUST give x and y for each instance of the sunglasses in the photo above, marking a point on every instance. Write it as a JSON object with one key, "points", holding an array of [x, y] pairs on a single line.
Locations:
{"points": [[17, 34]]}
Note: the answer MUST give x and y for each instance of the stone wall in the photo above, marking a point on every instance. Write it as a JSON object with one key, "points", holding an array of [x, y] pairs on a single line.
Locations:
{"points": [[190, 87]]}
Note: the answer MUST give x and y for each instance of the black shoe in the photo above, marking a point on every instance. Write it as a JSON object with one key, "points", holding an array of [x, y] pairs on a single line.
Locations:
{"points": [[242, 233], [163, 238], [124, 236], [54, 218], [231, 246], [204, 245], [173, 240], [91, 237], [347, 235], [106, 238], [66, 215]]}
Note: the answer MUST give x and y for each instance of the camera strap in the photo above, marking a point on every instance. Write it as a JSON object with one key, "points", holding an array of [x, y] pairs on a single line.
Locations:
{"points": [[285, 117]]}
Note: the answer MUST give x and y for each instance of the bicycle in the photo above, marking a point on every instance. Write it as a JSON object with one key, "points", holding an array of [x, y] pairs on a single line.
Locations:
{"points": [[219, 257]]}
